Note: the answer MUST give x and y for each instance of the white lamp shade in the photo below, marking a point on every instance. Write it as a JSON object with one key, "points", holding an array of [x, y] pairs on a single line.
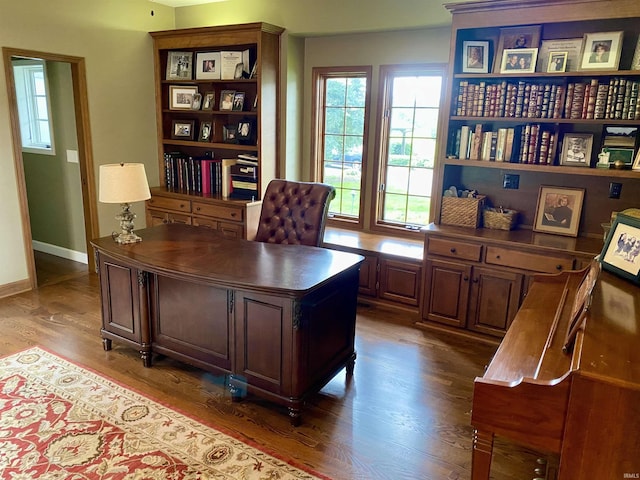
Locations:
{"points": [[123, 183]]}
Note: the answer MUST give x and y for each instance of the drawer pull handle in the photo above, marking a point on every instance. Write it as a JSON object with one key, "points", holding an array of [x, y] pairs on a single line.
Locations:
{"points": [[197, 209], [558, 267], [452, 250], [233, 214], [497, 257], [182, 205], [475, 280], [465, 278]]}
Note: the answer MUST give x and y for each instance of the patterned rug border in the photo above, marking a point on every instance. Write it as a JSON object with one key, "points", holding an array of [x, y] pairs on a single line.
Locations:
{"points": [[235, 435]]}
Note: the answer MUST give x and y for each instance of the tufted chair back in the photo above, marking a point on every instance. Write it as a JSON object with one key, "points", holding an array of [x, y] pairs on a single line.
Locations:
{"points": [[294, 212]]}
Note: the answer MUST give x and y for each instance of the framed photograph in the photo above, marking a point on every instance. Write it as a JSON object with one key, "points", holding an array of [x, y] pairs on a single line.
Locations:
{"points": [[179, 65], [636, 162], [573, 47], [475, 57], [196, 103], [226, 99], [516, 37], [559, 210], [576, 150], [207, 66], [620, 154], [230, 134], [519, 60], [621, 252], [206, 130], [601, 51], [557, 62], [238, 101], [208, 101], [244, 130], [181, 97], [238, 71], [635, 63], [182, 129]]}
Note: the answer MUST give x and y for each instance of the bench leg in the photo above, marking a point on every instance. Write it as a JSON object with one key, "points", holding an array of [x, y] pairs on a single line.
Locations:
{"points": [[482, 453]]}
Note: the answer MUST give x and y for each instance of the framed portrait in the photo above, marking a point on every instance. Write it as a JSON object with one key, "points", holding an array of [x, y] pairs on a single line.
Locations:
{"points": [[576, 150], [557, 62], [475, 57], [559, 210], [181, 97], [621, 252], [208, 101], [636, 161], [635, 63], [182, 129], [238, 101], [179, 65], [206, 132], [207, 66], [244, 131], [516, 37], [601, 51], [226, 99], [230, 134], [519, 60], [573, 47], [196, 103]]}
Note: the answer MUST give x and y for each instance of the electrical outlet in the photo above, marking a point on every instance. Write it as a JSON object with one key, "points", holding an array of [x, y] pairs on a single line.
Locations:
{"points": [[511, 181], [615, 189]]}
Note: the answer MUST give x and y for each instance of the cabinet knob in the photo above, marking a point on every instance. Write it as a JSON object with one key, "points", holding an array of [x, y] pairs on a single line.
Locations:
{"points": [[182, 205], [452, 250], [233, 214], [465, 278], [558, 267], [197, 209], [497, 257], [475, 280]]}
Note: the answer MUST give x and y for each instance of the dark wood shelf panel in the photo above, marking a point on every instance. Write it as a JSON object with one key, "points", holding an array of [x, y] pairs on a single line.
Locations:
{"points": [[559, 75], [249, 113], [226, 146], [215, 81], [588, 121]]}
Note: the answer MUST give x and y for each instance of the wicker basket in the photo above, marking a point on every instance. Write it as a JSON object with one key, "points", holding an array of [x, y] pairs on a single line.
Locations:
{"points": [[500, 219], [463, 212]]}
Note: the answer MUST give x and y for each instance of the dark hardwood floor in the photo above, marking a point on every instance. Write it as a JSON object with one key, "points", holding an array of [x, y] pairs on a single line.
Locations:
{"points": [[405, 414]]}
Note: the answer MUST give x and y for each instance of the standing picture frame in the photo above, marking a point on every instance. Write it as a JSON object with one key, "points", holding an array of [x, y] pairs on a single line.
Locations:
{"points": [[635, 63], [209, 101], [238, 101], [601, 51], [519, 60], [636, 161], [207, 66], [182, 129], [226, 99], [181, 97], [557, 62], [475, 57], [558, 210], [621, 251], [516, 37], [179, 66], [206, 132], [573, 47], [230, 134], [576, 150]]}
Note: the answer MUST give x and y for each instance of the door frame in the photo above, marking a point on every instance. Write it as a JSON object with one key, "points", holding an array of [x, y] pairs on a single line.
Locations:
{"points": [[85, 150]]}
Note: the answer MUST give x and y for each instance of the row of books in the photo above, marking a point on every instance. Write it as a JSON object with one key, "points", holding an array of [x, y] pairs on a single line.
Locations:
{"points": [[229, 177], [595, 99], [529, 143]]}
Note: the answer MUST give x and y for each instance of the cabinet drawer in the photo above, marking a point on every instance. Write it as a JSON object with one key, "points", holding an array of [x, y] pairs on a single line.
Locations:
{"points": [[454, 249], [528, 261], [169, 204], [222, 212], [205, 222]]}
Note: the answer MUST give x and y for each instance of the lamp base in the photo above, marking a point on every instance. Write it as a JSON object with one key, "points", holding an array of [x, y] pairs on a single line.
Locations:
{"points": [[126, 236]]}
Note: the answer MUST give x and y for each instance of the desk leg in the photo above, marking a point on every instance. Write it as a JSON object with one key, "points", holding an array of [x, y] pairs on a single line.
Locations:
{"points": [[351, 365], [294, 416], [481, 457], [106, 344]]}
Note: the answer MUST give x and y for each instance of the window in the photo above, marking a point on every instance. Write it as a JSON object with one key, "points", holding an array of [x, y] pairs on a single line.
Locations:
{"points": [[34, 106], [399, 191], [410, 98], [342, 98]]}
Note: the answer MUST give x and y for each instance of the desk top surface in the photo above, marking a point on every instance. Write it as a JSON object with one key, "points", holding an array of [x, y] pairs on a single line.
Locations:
{"points": [[203, 255]]}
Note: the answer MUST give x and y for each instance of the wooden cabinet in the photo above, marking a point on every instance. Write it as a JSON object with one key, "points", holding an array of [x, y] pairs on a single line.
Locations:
{"points": [[400, 281], [234, 218], [182, 154], [476, 279]]}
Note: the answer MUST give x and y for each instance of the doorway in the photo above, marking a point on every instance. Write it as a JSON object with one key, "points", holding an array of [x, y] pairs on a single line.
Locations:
{"points": [[84, 149]]}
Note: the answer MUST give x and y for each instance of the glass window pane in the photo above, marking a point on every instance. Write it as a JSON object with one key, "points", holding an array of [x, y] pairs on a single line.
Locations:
{"points": [[419, 179], [356, 92], [334, 120], [395, 208], [354, 123], [426, 122], [418, 210], [336, 92], [397, 179]]}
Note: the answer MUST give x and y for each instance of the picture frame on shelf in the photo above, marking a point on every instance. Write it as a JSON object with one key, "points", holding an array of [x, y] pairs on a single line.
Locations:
{"points": [[207, 66], [601, 51], [557, 62], [519, 60], [573, 47], [516, 37], [226, 99], [475, 57], [621, 251], [206, 132], [636, 162], [181, 96], [244, 131], [238, 101], [238, 73], [230, 134], [196, 103], [558, 210], [635, 63], [620, 157], [179, 65], [254, 70], [209, 100], [576, 150], [182, 129]]}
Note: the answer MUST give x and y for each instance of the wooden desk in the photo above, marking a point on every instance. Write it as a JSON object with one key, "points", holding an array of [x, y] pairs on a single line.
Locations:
{"points": [[276, 320]]}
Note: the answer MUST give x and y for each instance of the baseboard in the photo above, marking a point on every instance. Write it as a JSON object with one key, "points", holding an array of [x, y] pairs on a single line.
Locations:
{"points": [[14, 288], [60, 252]]}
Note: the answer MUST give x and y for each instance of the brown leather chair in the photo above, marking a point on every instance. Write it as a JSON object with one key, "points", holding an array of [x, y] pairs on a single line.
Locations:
{"points": [[294, 212]]}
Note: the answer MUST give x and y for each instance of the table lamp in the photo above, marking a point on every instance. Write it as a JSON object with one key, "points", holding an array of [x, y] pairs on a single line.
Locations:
{"points": [[124, 183]]}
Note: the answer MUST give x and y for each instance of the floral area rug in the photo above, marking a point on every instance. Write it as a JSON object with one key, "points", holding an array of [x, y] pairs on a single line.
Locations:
{"points": [[59, 421]]}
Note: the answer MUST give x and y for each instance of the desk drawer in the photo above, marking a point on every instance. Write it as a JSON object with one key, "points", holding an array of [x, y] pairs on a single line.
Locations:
{"points": [[528, 261], [169, 204], [222, 212], [454, 249]]}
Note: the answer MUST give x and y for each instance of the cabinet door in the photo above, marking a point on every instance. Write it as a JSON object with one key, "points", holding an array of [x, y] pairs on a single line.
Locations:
{"points": [[446, 294], [400, 281], [158, 217], [494, 301], [368, 276]]}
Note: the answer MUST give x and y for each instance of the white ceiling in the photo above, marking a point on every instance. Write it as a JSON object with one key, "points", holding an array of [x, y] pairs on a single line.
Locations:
{"points": [[184, 3]]}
